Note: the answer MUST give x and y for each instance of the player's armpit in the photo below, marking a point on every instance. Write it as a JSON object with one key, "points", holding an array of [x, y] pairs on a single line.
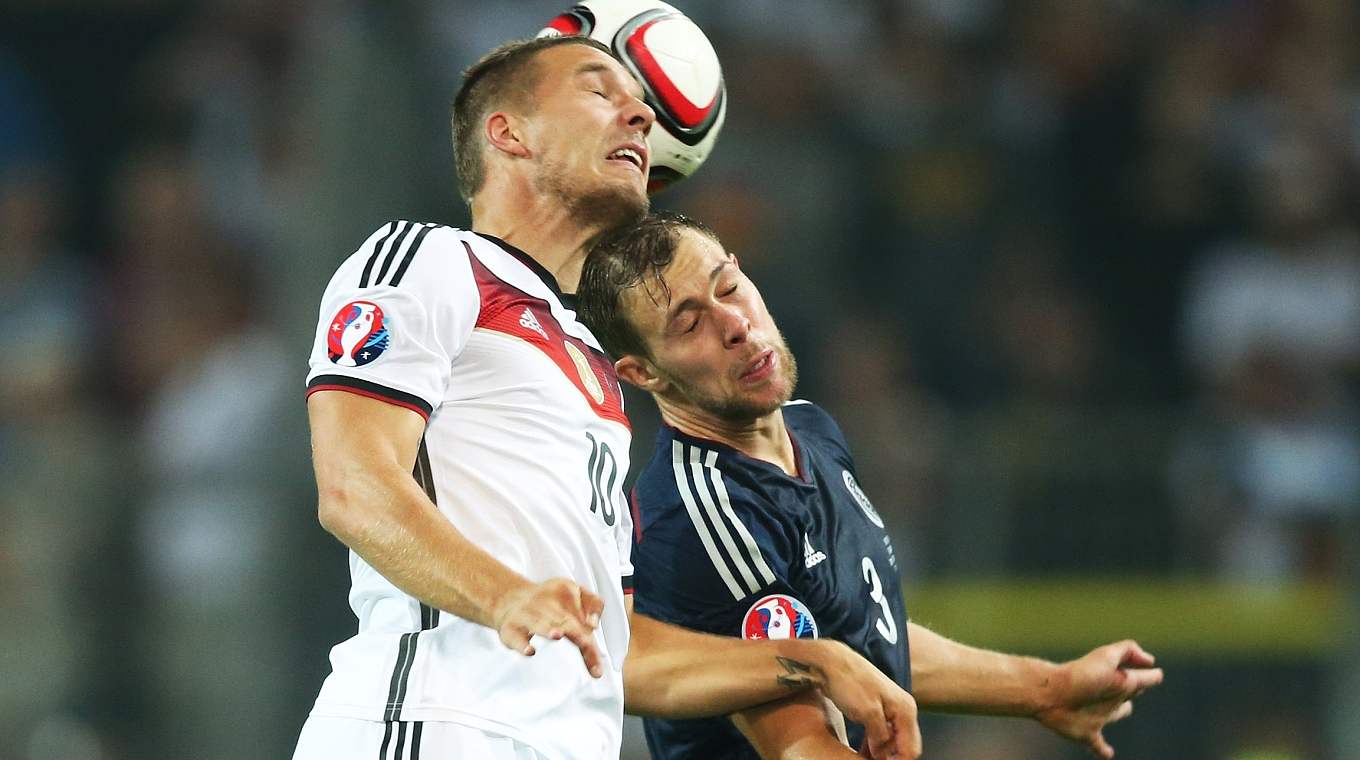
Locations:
{"points": [[805, 726]]}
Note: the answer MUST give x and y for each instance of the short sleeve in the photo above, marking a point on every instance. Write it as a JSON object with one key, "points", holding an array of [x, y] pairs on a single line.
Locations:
{"points": [[711, 552], [395, 316]]}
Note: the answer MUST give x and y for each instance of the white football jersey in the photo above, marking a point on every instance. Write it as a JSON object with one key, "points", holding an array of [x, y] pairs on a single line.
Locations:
{"points": [[525, 452]]}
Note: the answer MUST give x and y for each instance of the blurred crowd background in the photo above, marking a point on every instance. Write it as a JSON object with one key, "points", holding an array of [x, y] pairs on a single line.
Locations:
{"points": [[1080, 279]]}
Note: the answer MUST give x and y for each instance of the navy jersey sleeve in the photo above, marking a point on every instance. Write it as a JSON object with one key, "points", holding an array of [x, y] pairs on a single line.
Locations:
{"points": [[711, 549]]}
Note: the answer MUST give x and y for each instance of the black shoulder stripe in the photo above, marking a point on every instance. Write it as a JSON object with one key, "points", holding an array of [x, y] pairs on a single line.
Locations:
{"points": [[392, 251], [373, 258], [411, 254]]}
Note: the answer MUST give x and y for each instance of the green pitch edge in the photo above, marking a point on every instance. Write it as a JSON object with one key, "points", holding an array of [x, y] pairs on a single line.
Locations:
{"points": [[1177, 618]]}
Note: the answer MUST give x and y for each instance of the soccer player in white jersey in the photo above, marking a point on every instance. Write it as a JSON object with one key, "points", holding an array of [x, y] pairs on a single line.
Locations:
{"points": [[492, 588], [688, 326]]}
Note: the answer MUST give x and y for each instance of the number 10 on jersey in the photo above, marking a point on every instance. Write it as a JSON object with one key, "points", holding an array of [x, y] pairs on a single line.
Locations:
{"points": [[602, 470]]}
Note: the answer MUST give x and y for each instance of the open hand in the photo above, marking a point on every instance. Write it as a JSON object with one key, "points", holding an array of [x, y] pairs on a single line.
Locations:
{"points": [[1098, 689], [555, 609]]}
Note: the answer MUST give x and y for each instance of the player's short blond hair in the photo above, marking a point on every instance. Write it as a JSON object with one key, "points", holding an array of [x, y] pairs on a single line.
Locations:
{"points": [[504, 77]]}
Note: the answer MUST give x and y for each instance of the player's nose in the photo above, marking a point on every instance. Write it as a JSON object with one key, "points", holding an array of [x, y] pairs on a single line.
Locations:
{"points": [[638, 116], [736, 327]]}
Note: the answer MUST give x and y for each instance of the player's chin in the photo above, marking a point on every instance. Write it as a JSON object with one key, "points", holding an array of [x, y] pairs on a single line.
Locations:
{"points": [[627, 179], [762, 401], [632, 191], [614, 204], [774, 390]]}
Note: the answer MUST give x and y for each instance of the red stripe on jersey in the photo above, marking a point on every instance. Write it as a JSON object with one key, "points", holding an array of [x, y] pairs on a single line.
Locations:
{"points": [[510, 311], [369, 394]]}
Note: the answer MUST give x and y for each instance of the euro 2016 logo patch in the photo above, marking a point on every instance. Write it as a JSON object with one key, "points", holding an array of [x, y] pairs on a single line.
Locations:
{"points": [[357, 335], [779, 616]]}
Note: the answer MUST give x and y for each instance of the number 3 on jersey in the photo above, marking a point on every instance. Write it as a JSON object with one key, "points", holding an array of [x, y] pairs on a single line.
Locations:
{"points": [[886, 627], [603, 472]]}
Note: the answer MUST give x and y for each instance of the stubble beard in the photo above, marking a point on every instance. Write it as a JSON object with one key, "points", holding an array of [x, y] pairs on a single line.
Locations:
{"points": [[740, 410], [602, 208]]}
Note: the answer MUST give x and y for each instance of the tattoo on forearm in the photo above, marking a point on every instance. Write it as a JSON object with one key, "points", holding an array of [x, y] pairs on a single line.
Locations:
{"points": [[796, 674]]}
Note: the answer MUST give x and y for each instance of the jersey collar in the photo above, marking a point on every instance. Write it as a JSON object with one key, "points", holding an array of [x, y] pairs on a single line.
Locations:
{"points": [[568, 299]]}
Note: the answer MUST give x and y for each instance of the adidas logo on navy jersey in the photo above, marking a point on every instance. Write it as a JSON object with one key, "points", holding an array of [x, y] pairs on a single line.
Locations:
{"points": [[527, 319], [811, 557]]}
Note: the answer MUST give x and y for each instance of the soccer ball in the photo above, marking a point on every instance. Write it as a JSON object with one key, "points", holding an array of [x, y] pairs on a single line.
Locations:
{"points": [[679, 71]]}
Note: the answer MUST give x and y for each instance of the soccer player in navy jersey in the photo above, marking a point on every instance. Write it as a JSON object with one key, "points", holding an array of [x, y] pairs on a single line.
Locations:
{"points": [[469, 442], [750, 522]]}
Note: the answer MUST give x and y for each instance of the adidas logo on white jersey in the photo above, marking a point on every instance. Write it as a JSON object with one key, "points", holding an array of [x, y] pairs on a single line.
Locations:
{"points": [[527, 319], [811, 557]]}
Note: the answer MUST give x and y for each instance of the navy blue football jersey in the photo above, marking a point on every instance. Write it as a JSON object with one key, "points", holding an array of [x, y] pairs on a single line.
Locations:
{"points": [[735, 546]]}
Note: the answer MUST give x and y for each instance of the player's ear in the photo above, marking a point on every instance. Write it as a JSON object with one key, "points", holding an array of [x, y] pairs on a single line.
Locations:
{"points": [[639, 372], [505, 133]]}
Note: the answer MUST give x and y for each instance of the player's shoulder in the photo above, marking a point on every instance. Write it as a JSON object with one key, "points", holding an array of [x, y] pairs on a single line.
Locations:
{"points": [[686, 473], [694, 509], [812, 423], [403, 253], [805, 412]]}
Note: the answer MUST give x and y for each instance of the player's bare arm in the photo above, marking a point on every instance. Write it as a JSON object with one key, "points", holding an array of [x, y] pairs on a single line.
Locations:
{"points": [[673, 672], [805, 726], [363, 451], [1075, 699]]}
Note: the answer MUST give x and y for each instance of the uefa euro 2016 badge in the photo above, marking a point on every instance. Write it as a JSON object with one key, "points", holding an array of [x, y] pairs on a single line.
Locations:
{"points": [[779, 616], [863, 501], [357, 335]]}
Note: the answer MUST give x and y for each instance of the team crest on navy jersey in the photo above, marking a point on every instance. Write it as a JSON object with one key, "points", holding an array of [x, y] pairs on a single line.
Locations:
{"points": [[863, 501], [358, 334], [779, 616]]}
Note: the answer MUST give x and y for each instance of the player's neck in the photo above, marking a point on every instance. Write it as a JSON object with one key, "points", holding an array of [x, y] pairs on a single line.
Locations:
{"points": [[548, 232], [764, 438]]}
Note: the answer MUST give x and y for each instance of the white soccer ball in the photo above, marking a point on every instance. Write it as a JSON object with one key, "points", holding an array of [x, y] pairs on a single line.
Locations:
{"points": [[679, 71]]}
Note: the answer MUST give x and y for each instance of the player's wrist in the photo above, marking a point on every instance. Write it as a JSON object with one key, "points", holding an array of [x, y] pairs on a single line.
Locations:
{"points": [[820, 658], [1050, 682], [505, 599], [799, 665]]}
